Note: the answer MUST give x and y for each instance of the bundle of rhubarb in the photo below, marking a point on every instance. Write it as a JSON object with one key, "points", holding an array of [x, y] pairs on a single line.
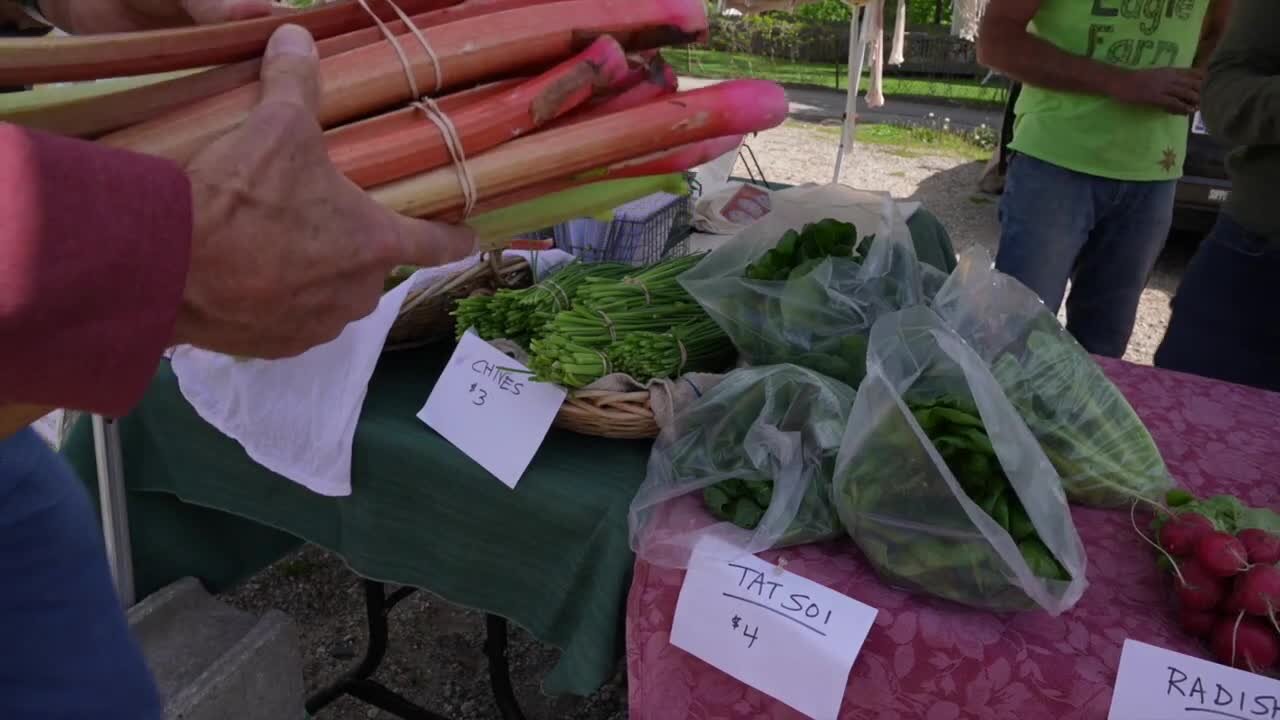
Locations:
{"points": [[544, 110]]}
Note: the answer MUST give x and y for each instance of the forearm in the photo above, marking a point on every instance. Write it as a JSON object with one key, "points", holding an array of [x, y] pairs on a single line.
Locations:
{"points": [[94, 246], [1011, 50], [1215, 26]]}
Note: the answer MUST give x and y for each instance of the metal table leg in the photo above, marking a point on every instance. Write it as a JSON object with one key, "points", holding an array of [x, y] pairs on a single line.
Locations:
{"points": [[115, 511]]}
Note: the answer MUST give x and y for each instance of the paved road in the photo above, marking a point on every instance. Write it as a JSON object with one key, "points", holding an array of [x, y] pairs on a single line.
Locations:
{"points": [[818, 105]]}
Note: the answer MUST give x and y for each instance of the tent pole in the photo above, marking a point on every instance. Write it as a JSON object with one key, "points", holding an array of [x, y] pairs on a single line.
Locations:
{"points": [[857, 56]]}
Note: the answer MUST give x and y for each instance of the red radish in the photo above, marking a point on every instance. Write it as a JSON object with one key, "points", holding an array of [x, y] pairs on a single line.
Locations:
{"points": [[1246, 643], [1200, 589], [1199, 623], [1180, 535], [1222, 554], [1261, 546], [1257, 591]]}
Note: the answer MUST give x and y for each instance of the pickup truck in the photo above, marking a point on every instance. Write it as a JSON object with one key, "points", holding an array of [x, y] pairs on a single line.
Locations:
{"points": [[1204, 186]]}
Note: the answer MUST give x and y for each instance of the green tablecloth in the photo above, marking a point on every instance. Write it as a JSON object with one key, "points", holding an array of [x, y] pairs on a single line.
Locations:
{"points": [[551, 556]]}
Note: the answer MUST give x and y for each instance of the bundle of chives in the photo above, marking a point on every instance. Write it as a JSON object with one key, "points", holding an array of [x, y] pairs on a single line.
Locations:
{"points": [[699, 346], [654, 285], [519, 315]]}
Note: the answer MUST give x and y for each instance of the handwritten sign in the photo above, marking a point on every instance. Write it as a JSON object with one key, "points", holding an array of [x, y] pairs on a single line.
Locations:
{"points": [[780, 633], [486, 406], [1157, 683]]}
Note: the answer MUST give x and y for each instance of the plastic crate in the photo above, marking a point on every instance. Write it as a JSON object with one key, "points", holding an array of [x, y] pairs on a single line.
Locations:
{"points": [[642, 232]]}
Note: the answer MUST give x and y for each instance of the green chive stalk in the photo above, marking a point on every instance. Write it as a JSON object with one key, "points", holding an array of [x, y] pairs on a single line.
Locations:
{"points": [[700, 346], [520, 315], [654, 285]]}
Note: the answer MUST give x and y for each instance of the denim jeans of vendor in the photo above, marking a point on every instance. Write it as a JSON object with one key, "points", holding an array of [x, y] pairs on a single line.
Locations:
{"points": [[1103, 235], [1224, 313], [67, 652]]}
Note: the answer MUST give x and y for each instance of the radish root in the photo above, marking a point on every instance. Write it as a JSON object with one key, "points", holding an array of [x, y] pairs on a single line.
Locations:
{"points": [[1133, 519], [1235, 632]]}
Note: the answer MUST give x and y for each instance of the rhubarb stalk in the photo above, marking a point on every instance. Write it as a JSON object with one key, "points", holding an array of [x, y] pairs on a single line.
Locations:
{"points": [[31, 61], [369, 79], [737, 107], [496, 228], [405, 143], [96, 116]]}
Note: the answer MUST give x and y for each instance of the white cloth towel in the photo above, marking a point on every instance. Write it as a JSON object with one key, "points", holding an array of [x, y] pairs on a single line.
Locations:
{"points": [[297, 417]]}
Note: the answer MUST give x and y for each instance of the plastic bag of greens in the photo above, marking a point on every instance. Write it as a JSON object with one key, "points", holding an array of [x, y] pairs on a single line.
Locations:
{"points": [[750, 461], [805, 284], [941, 484], [1095, 440]]}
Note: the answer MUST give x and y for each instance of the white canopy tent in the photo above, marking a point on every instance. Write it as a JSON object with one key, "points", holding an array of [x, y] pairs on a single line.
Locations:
{"points": [[866, 33]]}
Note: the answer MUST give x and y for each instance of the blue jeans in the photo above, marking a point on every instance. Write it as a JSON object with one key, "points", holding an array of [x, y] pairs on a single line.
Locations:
{"points": [[1224, 314], [67, 653], [1103, 235]]}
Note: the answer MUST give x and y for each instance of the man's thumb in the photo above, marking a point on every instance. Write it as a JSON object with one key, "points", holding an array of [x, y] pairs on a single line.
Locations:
{"points": [[291, 69], [428, 244]]}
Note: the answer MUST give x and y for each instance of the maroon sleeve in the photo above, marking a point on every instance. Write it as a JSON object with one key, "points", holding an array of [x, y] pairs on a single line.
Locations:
{"points": [[94, 247]]}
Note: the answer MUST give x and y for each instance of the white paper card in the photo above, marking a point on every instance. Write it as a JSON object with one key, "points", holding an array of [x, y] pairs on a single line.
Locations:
{"points": [[782, 634], [485, 404], [1158, 684], [1198, 126]]}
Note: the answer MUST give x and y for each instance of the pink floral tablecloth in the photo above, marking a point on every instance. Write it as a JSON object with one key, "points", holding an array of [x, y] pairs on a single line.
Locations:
{"points": [[936, 661]]}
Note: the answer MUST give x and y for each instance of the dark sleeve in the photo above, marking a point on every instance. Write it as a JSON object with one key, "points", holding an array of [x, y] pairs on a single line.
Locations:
{"points": [[94, 247], [1241, 98]]}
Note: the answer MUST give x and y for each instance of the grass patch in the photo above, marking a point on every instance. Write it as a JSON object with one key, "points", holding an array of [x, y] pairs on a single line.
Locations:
{"points": [[910, 141], [715, 64]]}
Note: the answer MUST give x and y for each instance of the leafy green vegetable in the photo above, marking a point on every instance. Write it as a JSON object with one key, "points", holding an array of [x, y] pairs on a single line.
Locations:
{"points": [[1226, 512], [797, 253], [747, 429], [1090, 433], [955, 428]]}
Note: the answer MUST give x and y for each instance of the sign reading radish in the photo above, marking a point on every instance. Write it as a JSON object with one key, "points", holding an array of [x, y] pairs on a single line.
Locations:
{"points": [[1157, 683]]}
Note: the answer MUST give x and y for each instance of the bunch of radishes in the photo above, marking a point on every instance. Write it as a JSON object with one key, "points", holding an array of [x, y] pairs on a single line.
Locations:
{"points": [[1228, 588]]}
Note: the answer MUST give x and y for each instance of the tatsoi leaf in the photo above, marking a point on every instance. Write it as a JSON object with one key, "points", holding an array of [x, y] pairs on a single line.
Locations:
{"points": [[718, 501], [1020, 526], [747, 514], [1041, 561], [1000, 512]]}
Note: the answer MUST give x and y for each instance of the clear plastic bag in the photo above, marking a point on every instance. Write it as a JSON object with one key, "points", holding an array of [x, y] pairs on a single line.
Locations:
{"points": [[773, 431], [909, 513], [1097, 443], [819, 320]]}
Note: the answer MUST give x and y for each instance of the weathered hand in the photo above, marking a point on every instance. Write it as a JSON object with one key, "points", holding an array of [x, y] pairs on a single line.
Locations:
{"points": [[1172, 90], [287, 251], [106, 16]]}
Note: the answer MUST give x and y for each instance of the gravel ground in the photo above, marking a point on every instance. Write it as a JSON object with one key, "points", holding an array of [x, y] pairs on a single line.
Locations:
{"points": [[435, 654]]}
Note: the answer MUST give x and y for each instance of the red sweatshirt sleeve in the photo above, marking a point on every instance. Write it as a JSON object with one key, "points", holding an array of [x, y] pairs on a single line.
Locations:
{"points": [[94, 247]]}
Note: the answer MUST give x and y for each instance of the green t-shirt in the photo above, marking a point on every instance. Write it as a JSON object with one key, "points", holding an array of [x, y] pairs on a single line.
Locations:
{"points": [[1097, 135]]}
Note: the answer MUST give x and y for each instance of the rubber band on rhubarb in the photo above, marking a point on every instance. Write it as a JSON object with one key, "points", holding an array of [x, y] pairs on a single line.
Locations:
{"points": [[428, 106]]}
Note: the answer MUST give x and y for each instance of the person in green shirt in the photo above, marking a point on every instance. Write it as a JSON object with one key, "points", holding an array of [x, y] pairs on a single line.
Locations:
{"points": [[1099, 138], [1222, 326]]}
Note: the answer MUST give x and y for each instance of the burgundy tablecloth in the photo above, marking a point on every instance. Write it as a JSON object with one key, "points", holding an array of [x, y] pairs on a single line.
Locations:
{"points": [[936, 661]]}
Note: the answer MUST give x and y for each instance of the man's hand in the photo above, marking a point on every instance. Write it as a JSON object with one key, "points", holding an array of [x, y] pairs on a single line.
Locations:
{"points": [[107, 16], [287, 251], [1172, 90]]}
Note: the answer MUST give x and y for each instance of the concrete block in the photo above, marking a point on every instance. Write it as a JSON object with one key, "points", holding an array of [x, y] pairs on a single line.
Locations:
{"points": [[214, 662]]}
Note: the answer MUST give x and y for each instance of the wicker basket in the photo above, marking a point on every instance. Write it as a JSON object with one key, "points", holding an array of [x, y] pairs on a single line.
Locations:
{"points": [[607, 414], [425, 315]]}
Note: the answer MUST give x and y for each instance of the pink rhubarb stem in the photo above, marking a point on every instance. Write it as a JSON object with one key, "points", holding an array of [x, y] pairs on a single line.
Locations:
{"points": [[405, 143]]}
